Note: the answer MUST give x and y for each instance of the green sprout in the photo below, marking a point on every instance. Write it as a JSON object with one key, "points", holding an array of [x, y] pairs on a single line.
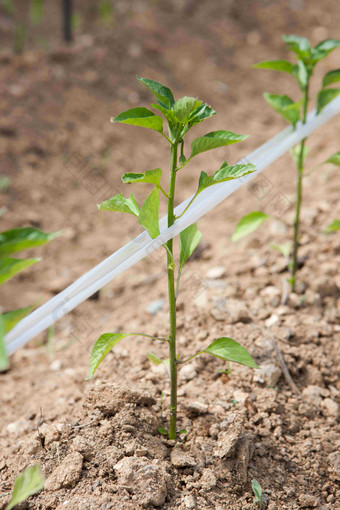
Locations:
{"points": [[181, 116]]}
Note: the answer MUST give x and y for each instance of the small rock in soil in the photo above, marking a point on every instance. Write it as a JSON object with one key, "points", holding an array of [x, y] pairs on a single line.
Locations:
{"points": [[67, 474], [334, 459], [233, 310], [228, 438], [181, 458], [312, 394], [214, 273], [326, 287], [18, 427], [145, 478], [268, 374], [308, 501], [189, 502], [111, 398], [329, 408], [49, 433], [155, 306], [84, 447], [197, 407], [187, 373]]}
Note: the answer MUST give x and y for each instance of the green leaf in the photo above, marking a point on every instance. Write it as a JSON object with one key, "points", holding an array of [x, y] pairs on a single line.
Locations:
{"points": [[101, 349], [149, 214], [141, 117], [295, 153], [168, 114], [230, 350], [12, 318], [289, 110], [29, 482], [301, 74], [200, 114], [335, 225], [248, 224], [184, 107], [162, 93], [162, 431], [150, 176], [225, 173], [155, 360], [9, 267], [4, 362], [324, 48], [257, 489], [334, 159], [214, 140], [300, 45], [188, 241], [121, 204], [325, 97], [282, 248], [276, 65], [17, 239], [331, 77]]}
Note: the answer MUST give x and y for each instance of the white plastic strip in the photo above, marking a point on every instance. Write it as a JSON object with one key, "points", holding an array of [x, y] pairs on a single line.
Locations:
{"points": [[143, 245]]}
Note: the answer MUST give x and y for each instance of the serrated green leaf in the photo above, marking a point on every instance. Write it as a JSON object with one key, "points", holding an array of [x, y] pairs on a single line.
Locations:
{"points": [[12, 318], [188, 241], [295, 153], [325, 97], [9, 267], [257, 489], [141, 117], [282, 248], [284, 105], [276, 65], [150, 176], [202, 113], [162, 93], [331, 77], [214, 140], [149, 214], [301, 74], [334, 159], [248, 224], [4, 362], [101, 349], [28, 483], [335, 225], [323, 49], [18, 239], [300, 45], [230, 350], [120, 204], [184, 107]]}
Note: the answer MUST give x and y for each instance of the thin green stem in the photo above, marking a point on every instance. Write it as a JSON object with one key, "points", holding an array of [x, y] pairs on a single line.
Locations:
{"points": [[166, 138], [164, 192], [149, 336], [187, 207], [300, 166], [172, 297]]}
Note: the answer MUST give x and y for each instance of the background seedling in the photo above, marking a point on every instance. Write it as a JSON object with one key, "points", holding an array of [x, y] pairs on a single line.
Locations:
{"points": [[14, 241], [181, 116], [27, 484], [295, 111], [260, 499]]}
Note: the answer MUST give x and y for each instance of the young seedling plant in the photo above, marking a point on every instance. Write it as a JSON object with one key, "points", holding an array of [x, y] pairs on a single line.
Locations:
{"points": [[295, 111], [181, 116]]}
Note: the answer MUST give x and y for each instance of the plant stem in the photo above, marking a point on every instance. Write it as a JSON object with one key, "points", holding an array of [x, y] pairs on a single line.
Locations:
{"points": [[172, 297], [299, 191]]}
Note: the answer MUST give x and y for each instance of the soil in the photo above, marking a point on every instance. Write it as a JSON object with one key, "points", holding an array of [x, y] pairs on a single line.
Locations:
{"points": [[97, 441]]}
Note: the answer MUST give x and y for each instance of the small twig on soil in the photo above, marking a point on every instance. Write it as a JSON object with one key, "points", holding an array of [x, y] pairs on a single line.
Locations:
{"points": [[84, 425], [284, 367], [285, 292]]}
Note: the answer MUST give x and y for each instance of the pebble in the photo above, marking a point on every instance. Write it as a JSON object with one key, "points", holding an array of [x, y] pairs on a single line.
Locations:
{"points": [[269, 374], [49, 432], [181, 458], [312, 394], [67, 474], [273, 319], [155, 306], [329, 408], [187, 372], [215, 273], [308, 501], [189, 502], [326, 287], [334, 459], [55, 365], [18, 427], [197, 407]]}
